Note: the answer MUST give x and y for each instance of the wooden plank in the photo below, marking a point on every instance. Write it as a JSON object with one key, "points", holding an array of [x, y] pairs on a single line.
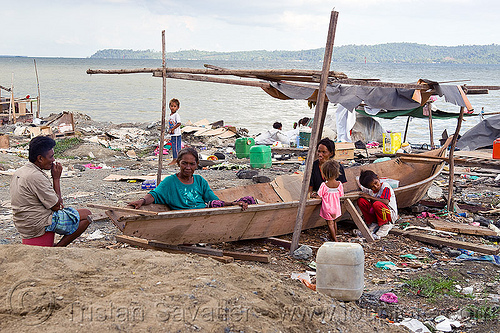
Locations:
{"points": [[486, 249], [123, 209], [144, 243], [461, 228], [358, 220], [114, 218], [247, 256], [286, 243]]}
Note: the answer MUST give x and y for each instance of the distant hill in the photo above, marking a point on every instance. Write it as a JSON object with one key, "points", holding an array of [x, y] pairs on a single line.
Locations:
{"points": [[380, 53]]}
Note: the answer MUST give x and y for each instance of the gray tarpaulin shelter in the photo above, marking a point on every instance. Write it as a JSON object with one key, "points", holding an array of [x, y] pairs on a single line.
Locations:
{"points": [[482, 135], [351, 96]]}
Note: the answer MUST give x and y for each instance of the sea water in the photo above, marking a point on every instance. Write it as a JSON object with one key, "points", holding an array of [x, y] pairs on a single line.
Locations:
{"points": [[65, 86]]}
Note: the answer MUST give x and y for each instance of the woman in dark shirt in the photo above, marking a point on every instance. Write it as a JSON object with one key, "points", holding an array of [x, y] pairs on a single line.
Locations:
{"points": [[325, 151]]}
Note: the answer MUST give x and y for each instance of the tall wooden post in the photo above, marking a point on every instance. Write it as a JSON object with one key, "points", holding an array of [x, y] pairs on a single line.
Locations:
{"points": [[452, 162], [431, 130], [317, 129], [38, 97], [406, 128], [163, 108]]}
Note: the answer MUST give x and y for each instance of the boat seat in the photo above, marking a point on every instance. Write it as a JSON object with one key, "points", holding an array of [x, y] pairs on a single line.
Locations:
{"points": [[47, 239]]}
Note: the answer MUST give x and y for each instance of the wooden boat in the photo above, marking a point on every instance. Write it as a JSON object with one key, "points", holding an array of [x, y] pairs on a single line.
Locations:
{"points": [[277, 209]]}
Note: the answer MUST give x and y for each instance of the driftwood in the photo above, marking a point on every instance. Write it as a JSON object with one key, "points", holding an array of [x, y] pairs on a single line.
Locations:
{"points": [[486, 249]]}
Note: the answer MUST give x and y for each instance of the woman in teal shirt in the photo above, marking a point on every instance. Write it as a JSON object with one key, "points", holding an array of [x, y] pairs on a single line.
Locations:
{"points": [[184, 190]]}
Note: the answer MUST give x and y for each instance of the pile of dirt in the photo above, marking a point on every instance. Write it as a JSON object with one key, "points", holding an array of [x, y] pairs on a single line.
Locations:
{"points": [[61, 290]]}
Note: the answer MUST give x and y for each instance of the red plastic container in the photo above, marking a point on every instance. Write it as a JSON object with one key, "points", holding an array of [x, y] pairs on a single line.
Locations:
{"points": [[496, 149]]}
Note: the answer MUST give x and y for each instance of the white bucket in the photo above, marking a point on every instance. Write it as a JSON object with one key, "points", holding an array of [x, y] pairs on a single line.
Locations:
{"points": [[340, 270]]}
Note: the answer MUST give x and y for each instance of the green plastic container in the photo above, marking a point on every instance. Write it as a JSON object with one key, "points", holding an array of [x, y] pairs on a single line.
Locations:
{"points": [[304, 138], [260, 157], [242, 147]]}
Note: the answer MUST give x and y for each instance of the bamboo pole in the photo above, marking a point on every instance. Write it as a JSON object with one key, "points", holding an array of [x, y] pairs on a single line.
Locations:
{"points": [[163, 109], [452, 162], [38, 97], [318, 115]]}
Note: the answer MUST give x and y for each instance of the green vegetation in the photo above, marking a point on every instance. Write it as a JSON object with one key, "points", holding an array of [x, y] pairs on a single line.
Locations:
{"points": [[485, 311], [380, 53], [432, 287], [65, 144]]}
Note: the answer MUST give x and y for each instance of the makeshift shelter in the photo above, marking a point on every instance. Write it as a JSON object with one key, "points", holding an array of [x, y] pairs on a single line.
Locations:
{"points": [[482, 135], [333, 87]]}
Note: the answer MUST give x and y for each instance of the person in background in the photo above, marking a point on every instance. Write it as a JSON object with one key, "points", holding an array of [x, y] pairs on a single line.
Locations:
{"points": [[271, 136], [378, 203], [325, 151], [185, 190], [37, 203], [174, 128], [330, 192]]}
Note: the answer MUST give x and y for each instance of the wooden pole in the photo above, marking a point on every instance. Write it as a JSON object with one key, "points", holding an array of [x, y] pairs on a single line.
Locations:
{"points": [[12, 104], [163, 110], [406, 128], [318, 115], [38, 97], [431, 131], [452, 162]]}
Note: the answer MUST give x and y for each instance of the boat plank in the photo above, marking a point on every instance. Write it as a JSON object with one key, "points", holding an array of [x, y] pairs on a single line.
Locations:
{"points": [[461, 228]]}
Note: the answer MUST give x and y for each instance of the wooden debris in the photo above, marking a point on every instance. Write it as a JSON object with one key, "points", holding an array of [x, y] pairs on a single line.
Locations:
{"points": [[358, 220], [220, 255], [486, 249], [461, 228], [286, 243]]}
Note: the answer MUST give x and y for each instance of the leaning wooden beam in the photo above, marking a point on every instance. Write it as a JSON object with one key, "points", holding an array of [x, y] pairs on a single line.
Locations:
{"points": [[452, 162], [358, 220], [318, 114], [123, 209], [163, 110], [204, 78], [486, 249], [4, 88]]}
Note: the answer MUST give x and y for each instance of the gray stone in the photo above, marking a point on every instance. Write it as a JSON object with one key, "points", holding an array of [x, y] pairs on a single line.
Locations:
{"points": [[246, 174], [303, 253], [261, 179]]}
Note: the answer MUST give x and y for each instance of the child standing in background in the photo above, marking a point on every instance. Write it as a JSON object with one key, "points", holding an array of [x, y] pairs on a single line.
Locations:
{"points": [[330, 192], [378, 204], [174, 128]]}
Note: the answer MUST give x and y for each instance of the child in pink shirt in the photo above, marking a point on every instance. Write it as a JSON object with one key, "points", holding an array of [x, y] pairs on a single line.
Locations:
{"points": [[330, 192]]}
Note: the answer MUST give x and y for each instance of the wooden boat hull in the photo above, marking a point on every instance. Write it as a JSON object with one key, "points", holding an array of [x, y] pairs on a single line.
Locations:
{"points": [[277, 215], [215, 225]]}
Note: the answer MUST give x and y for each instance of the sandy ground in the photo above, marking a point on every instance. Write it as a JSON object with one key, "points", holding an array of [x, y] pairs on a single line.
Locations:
{"points": [[100, 285]]}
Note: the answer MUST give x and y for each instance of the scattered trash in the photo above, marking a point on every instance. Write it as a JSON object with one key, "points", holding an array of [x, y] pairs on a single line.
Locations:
{"points": [[148, 184], [408, 256], [389, 298], [95, 235], [495, 259], [414, 325], [385, 264], [429, 215], [467, 290], [444, 324]]}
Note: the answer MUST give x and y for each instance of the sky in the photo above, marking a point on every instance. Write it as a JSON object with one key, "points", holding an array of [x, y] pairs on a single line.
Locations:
{"points": [[65, 28]]}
